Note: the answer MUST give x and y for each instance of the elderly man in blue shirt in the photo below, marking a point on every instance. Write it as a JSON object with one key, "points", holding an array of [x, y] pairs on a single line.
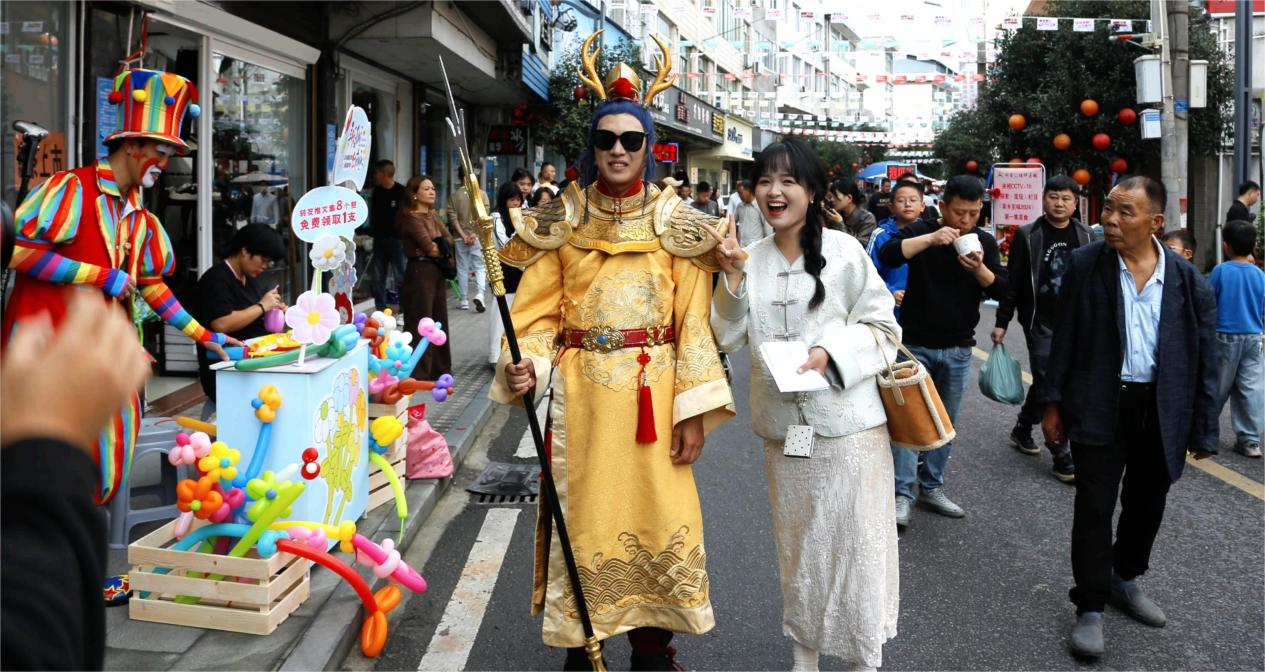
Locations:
{"points": [[1133, 398]]}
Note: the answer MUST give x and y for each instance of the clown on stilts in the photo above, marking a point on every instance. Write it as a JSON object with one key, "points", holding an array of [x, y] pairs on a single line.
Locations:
{"points": [[612, 318], [87, 227]]}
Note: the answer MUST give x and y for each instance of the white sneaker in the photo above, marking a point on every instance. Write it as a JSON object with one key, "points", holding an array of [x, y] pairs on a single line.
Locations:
{"points": [[465, 305]]}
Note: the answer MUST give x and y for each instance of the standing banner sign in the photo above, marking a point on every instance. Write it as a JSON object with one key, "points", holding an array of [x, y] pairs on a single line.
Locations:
{"points": [[1016, 193], [351, 164]]}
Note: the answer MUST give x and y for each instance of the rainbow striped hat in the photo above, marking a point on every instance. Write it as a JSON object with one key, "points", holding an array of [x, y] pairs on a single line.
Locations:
{"points": [[154, 105]]}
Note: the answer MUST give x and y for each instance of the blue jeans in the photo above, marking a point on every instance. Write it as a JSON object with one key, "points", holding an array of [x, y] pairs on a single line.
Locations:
{"points": [[950, 370], [1243, 374], [388, 254]]}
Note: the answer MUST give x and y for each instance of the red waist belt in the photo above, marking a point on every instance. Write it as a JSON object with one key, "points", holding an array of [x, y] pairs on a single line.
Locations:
{"points": [[607, 339]]}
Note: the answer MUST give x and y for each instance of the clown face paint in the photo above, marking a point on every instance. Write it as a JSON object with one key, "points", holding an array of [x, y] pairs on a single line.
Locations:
{"points": [[151, 159]]}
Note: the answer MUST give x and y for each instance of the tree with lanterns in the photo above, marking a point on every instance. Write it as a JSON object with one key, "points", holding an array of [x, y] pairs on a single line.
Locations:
{"points": [[563, 122], [1067, 99]]}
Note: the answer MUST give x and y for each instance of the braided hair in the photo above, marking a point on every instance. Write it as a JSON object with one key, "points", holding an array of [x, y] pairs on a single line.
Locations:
{"points": [[793, 157]]}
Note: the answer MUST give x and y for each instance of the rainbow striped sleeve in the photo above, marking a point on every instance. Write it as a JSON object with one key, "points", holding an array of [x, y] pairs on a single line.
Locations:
{"points": [[50, 214], [159, 297], [156, 261], [48, 217]]}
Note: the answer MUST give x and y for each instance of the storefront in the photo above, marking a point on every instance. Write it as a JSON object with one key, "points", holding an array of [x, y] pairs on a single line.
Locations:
{"points": [[724, 165], [689, 123], [252, 150]]}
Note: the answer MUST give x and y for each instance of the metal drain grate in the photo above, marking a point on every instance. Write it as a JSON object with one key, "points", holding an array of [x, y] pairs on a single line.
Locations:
{"points": [[498, 500]]}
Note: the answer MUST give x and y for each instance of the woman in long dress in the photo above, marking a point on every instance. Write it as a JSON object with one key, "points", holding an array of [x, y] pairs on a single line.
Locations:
{"points": [[832, 512], [427, 243]]}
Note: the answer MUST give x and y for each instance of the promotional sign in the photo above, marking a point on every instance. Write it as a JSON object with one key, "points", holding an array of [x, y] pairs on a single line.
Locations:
{"points": [[1016, 194], [328, 210], [352, 161], [897, 169], [507, 140], [664, 152]]}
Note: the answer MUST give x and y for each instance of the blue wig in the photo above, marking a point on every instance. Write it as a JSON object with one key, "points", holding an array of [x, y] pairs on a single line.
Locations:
{"points": [[588, 166]]}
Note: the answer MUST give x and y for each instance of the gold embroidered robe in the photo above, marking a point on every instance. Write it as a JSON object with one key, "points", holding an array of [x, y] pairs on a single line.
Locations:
{"points": [[633, 516]]}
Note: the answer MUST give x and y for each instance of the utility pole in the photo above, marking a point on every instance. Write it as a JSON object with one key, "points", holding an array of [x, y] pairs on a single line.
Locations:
{"points": [[1179, 49], [1172, 172], [1242, 95]]}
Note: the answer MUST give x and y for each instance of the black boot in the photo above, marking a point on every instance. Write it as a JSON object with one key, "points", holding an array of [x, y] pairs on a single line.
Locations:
{"points": [[651, 650], [578, 661]]}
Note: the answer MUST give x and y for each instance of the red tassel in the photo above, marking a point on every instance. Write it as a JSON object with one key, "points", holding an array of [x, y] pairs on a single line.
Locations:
{"points": [[645, 406]]}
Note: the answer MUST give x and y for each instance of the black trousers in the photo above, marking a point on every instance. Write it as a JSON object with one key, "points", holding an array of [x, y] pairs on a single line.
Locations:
{"points": [[1038, 339], [1137, 455]]}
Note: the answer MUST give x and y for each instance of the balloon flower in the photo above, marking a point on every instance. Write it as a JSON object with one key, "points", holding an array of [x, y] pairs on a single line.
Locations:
{"points": [[342, 340], [312, 318], [220, 463], [189, 448], [328, 253]]}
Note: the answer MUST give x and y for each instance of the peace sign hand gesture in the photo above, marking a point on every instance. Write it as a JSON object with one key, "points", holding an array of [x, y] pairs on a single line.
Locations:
{"points": [[731, 256]]}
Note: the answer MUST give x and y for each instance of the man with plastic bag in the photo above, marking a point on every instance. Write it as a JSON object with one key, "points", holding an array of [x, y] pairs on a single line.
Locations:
{"points": [[1039, 255]]}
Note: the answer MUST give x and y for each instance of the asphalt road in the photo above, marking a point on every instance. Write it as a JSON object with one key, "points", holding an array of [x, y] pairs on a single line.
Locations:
{"points": [[986, 592]]}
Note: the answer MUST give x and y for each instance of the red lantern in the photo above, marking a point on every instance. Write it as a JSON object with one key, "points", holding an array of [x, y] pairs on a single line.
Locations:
{"points": [[972, 166], [1015, 159], [838, 167], [1062, 141], [580, 93], [1126, 116], [1119, 166], [854, 164], [1081, 176], [1089, 107], [1017, 122], [1034, 161], [1101, 141], [995, 192]]}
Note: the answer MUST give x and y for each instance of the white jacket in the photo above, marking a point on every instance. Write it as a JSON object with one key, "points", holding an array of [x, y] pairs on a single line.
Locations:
{"points": [[772, 304]]}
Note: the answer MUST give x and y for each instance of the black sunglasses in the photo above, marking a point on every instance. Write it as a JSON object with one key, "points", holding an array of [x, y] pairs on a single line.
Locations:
{"points": [[631, 140]]}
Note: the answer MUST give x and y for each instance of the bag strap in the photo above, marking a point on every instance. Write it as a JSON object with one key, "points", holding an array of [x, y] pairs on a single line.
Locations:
{"points": [[899, 346]]}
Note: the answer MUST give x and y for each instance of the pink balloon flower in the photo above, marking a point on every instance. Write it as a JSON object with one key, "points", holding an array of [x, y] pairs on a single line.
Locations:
{"points": [[313, 318]]}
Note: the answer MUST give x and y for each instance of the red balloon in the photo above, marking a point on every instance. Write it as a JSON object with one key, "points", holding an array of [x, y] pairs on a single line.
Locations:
{"points": [[1101, 141], [1126, 116], [1017, 122], [1119, 165], [972, 166], [1089, 107], [1081, 176]]}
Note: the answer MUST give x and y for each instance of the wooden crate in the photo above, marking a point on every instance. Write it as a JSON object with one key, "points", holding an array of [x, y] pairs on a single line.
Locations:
{"points": [[254, 597]]}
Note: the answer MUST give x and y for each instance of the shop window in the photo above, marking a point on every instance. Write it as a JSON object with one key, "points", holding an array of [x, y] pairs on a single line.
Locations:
{"points": [[34, 42], [259, 162]]}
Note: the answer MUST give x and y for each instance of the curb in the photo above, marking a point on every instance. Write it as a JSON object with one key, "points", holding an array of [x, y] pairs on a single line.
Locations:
{"points": [[335, 627]]}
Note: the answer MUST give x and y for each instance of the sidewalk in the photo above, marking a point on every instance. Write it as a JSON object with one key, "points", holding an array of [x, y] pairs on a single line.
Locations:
{"points": [[319, 633]]}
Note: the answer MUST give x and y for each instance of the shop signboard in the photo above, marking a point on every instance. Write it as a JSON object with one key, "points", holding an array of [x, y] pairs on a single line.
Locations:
{"points": [[665, 152], [506, 140], [681, 111], [1016, 194], [352, 161], [895, 170], [328, 210]]}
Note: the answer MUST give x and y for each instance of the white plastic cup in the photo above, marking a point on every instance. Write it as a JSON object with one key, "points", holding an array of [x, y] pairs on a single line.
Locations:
{"points": [[968, 244]]}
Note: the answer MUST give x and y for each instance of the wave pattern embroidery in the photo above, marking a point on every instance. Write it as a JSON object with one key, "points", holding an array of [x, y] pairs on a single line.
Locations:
{"points": [[666, 579]]}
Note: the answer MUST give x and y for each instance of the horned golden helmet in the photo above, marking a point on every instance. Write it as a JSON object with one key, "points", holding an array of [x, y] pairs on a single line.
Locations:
{"points": [[622, 82]]}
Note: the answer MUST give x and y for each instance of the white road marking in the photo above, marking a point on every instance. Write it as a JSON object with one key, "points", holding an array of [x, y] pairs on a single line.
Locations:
{"points": [[454, 636], [527, 446]]}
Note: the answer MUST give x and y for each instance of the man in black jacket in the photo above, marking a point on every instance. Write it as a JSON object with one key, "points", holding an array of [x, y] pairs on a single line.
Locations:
{"points": [[1240, 209], [938, 315], [1039, 255], [52, 535], [1132, 397]]}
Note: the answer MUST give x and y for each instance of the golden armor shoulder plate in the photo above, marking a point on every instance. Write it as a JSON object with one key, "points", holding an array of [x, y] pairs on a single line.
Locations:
{"points": [[519, 254], [678, 226], [549, 226]]}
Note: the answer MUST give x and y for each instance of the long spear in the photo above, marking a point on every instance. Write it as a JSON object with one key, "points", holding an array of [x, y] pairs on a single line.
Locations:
{"points": [[496, 279]]}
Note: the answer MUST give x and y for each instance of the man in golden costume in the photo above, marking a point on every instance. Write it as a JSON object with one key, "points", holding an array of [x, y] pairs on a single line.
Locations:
{"points": [[612, 316]]}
